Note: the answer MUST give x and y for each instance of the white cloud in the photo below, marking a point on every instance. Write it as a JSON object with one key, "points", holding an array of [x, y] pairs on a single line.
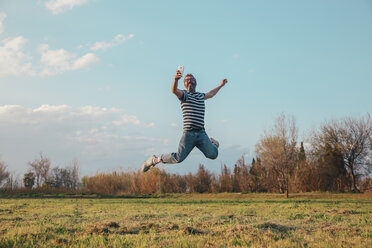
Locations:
{"points": [[130, 119], [104, 145], [64, 131], [46, 114], [15, 114], [57, 58], [85, 61], [13, 61], [59, 6], [117, 40], [52, 109], [2, 17], [60, 60]]}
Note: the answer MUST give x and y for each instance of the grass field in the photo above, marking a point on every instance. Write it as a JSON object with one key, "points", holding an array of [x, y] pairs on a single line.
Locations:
{"points": [[189, 220]]}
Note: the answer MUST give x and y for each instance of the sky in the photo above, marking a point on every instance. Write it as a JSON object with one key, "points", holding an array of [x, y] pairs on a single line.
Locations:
{"points": [[91, 79]]}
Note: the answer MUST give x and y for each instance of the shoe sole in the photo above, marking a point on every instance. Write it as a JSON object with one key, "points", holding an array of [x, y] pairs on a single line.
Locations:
{"points": [[147, 166]]}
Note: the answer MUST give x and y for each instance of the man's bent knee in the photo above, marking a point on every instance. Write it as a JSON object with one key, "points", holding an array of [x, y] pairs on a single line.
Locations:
{"points": [[178, 159], [213, 155], [172, 158]]}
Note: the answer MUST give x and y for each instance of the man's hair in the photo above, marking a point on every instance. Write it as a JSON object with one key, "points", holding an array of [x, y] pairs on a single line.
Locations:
{"points": [[189, 75]]}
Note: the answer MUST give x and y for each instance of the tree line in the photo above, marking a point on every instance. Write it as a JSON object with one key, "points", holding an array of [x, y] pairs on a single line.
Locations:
{"points": [[336, 157], [41, 175]]}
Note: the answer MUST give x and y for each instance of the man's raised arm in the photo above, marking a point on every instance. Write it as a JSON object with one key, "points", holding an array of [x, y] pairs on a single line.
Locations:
{"points": [[213, 92], [175, 89]]}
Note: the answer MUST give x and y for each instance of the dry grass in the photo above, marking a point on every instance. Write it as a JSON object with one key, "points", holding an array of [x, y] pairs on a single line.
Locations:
{"points": [[190, 220]]}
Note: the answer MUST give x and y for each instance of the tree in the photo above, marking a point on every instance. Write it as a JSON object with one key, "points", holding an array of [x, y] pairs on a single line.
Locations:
{"points": [[190, 183], [12, 182], [40, 166], [29, 180], [240, 179], [351, 137], [330, 168], [75, 173], [366, 184], [4, 174], [236, 179], [278, 153], [225, 179], [257, 176], [203, 179], [302, 179], [302, 154], [60, 178]]}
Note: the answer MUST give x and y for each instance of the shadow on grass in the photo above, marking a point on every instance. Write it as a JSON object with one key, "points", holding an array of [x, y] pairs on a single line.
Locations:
{"points": [[276, 227]]}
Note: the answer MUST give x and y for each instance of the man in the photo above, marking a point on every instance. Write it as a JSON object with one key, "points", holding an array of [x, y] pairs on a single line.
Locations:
{"points": [[193, 107]]}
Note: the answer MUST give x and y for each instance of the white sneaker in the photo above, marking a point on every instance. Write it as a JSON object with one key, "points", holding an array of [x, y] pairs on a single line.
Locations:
{"points": [[148, 163], [215, 142]]}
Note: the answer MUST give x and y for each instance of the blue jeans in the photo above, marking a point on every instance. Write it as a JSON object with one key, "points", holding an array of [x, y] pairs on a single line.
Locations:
{"points": [[188, 141]]}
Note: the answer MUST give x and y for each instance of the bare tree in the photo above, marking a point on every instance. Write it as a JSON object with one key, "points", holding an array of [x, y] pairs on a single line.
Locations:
{"points": [[278, 153], [366, 184], [75, 173], [4, 174], [352, 138], [40, 166], [12, 182]]}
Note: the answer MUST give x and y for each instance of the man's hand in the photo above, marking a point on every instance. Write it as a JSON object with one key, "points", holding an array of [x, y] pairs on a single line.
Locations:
{"points": [[178, 75], [175, 89], [213, 92], [223, 82]]}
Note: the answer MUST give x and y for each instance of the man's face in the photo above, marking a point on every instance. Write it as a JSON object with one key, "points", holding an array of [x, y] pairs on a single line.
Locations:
{"points": [[190, 83]]}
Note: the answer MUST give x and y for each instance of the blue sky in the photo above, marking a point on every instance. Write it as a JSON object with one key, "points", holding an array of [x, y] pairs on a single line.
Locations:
{"points": [[92, 79]]}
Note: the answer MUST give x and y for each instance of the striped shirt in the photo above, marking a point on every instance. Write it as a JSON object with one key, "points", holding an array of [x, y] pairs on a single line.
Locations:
{"points": [[193, 108]]}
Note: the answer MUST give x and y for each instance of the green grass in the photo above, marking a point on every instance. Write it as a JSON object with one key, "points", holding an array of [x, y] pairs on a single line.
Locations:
{"points": [[189, 220]]}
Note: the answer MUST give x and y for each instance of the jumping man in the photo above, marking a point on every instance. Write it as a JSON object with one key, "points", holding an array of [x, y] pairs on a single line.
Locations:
{"points": [[193, 107]]}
